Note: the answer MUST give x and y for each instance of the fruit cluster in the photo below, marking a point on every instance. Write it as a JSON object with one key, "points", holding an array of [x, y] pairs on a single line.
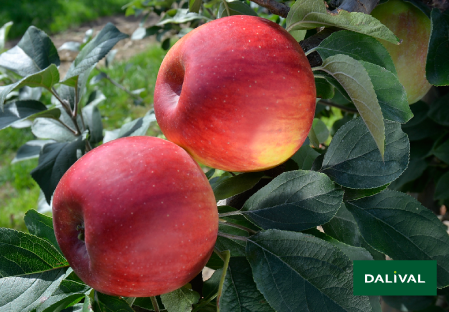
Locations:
{"points": [[137, 217]]}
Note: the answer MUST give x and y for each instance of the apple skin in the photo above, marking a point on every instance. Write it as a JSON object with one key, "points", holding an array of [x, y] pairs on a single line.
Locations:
{"points": [[411, 25], [149, 215], [237, 93]]}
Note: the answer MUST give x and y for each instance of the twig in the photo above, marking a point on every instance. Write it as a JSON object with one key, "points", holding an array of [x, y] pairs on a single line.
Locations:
{"points": [[115, 83], [238, 226], [343, 108], [274, 7], [155, 304]]}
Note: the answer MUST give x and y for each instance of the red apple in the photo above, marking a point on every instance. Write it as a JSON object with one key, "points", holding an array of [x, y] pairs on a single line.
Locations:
{"points": [[237, 93], [411, 25], [135, 217]]}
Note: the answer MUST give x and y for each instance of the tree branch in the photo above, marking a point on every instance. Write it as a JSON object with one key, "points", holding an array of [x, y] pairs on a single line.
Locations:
{"points": [[274, 7]]}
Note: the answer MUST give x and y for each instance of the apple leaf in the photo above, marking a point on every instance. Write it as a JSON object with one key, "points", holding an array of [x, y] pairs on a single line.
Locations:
{"points": [[294, 201], [420, 126], [442, 187], [48, 128], [179, 16], [68, 292], [235, 7], [437, 64], [320, 129], [41, 226], [30, 149], [415, 169], [354, 78], [225, 187], [305, 156], [240, 292], [410, 303], [93, 52], [26, 292], [34, 52], [134, 128], [324, 90], [442, 151], [398, 225], [19, 110], [358, 46], [180, 300], [390, 93], [55, 159], [24, 253], [353, 194], [195, 5], [92, 120], [310, 14], [352, 159], [300, 272], [106, 303], [3, 34], [46, 78], [439, 111]]}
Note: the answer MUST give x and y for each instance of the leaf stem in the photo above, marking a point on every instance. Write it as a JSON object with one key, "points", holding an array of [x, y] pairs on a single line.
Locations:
{"points": [[250, 231], [230, 236], [231, 213], [310, 51], [343, 108], [115, 83], [227, 7], [155, 304]]}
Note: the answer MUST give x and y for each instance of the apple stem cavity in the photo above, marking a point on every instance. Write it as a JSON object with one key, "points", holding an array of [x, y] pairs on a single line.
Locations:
{"points": [[250, 231], [80, 229]]}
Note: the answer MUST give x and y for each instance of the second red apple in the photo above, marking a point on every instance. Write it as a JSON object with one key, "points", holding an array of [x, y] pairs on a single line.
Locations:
{"points": [[237, 93]]}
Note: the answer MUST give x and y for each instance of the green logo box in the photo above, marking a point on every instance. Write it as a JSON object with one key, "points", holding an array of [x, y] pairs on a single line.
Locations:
{"points": [[395, 278]]}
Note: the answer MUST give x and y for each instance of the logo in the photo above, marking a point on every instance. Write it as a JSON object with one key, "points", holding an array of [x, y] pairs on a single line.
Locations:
{"points": [[395, 278]]}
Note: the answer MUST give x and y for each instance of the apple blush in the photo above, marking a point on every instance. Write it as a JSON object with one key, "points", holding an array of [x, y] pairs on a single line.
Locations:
{"points": [[135, 217], [237, 93]]}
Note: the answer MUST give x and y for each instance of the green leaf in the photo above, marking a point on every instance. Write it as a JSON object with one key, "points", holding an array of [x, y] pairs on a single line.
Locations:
{"points": [[93, 52], [235, 7], [30, 149], [48, 128], [34, 52], [179, 16], [439, 110], [352, 159], [180, 300], [354, 78], [358, 46], [106, 303], [324, 90], [409, 303], [4, 34], [195, 5], [437, 64], [320, 129], [442, 151], [68, 292], [390, 93], [299, 272], [420, 126], [134, 128], [230, 186], [25, 293], [309, 14], [23, 254], [19, 110], [295, 200], [46, 78], [240, 292], [414, 170], [343, 227], [305, 156], [442, 187], [353, 194], [92, 119], [399, 226], [41, 226], [55, 159]]}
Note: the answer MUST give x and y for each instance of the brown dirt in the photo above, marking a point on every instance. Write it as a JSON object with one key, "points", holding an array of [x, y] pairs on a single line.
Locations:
{"points": [[126, 48]]}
